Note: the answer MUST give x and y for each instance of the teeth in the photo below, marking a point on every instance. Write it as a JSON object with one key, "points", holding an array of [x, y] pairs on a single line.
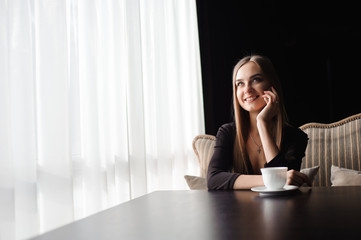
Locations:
{"points": [[250, 99]]}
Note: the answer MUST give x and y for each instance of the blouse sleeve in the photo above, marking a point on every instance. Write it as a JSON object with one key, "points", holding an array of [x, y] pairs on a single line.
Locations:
{"points": [[219, 174], [293, 150]]}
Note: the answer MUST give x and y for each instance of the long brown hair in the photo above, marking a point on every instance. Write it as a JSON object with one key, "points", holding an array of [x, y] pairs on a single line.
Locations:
{"points": [[241, 117]]}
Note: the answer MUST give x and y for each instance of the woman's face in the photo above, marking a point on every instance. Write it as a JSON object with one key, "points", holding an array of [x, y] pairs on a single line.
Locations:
{"points": [[250, 86]]}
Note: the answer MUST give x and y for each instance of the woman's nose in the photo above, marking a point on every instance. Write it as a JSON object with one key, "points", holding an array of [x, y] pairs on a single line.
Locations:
{"points": [[248, 88]]}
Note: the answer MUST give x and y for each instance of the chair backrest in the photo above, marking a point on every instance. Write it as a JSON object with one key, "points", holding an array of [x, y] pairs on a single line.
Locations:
{"points": [[336, 143], [203, 146]]}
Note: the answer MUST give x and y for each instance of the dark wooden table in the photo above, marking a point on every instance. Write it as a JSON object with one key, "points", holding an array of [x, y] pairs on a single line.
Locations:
{"points": [[308, 213]]}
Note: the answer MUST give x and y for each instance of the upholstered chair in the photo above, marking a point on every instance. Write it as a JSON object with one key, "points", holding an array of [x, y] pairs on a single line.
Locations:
{"points": [[336, 144], [332, 157], [203, 146]]}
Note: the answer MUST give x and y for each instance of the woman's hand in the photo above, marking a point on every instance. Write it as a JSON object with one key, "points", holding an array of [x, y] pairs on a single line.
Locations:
{"points": [[270, 147], [297, 178], [272, 106]]}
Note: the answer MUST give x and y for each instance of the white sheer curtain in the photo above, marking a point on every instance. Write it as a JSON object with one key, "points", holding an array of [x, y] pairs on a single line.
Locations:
{"points": [[99, 103]]}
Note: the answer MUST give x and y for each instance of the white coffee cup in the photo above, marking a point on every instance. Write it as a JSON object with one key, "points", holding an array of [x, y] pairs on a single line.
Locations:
{"points": [[274, 177]]}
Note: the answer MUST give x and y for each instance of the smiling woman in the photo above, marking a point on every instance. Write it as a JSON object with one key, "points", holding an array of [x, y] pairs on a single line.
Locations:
{"points": [[260, 135], [99, 101]]}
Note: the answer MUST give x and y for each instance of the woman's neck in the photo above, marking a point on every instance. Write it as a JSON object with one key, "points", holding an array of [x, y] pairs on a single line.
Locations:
{"points": [[253, 123]]}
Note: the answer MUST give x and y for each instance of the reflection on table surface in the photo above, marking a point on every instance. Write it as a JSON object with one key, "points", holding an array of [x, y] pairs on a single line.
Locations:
{"points": [[308, 213]]}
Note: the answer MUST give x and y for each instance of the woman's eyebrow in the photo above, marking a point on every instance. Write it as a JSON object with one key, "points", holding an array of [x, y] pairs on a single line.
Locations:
{"points": [[256, 75], [253, 76]]}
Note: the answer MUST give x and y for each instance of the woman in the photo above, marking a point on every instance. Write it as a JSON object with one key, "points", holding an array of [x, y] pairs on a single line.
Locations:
{"points": [[259, 136]]}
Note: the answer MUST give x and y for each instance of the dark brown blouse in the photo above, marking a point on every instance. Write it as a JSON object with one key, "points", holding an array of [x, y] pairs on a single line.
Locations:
{"points": [[220, 174]]}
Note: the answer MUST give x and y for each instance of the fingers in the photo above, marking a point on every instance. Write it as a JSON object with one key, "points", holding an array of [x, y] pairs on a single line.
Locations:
{"points": [[297, 178], [271, 108], [270, 96]]}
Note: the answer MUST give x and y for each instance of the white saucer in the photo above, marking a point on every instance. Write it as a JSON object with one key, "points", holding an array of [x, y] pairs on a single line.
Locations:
{"points": [[265, 190]]}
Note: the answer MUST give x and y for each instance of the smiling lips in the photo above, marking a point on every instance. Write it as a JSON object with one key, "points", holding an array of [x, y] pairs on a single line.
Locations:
{"points": [[250, 99]]}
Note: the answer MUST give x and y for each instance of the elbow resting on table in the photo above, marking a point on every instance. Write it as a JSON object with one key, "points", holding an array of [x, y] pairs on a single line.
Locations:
{"points": [[220, 180]]}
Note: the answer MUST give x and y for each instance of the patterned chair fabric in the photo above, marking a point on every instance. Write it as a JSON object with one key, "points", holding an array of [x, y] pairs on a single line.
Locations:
{"points": [[203, 146], [336, 144]]}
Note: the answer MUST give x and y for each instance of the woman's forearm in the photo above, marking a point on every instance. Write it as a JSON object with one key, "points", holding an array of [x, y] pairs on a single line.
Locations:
{"points": [[269, 145], [248, 181]]}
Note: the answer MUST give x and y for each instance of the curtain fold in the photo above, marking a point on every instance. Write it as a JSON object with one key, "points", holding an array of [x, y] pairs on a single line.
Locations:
{"points": [[99, 103]]}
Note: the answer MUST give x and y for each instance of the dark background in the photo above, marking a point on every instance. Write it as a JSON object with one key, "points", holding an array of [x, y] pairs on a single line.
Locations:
{"points": [[314, 45]]}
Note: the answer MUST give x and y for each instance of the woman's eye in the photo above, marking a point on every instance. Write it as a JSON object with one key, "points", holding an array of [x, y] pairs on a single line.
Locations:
{"points": [[257, 80], [239, 84]]}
